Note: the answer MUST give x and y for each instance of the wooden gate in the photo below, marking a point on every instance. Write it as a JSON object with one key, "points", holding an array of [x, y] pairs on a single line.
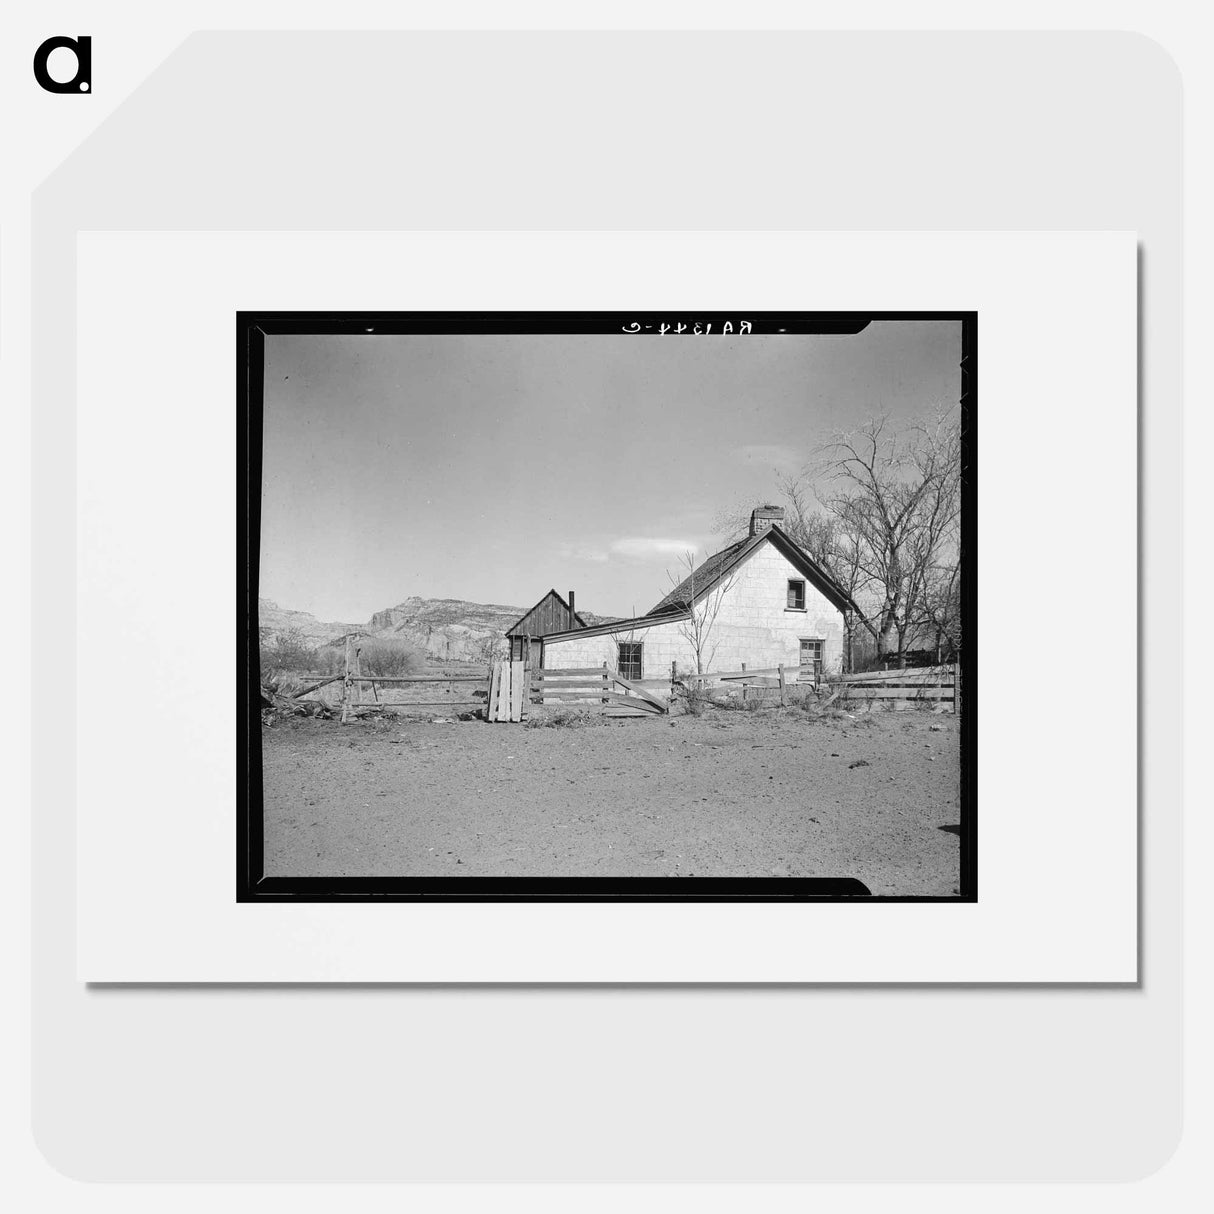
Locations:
{"points": [[509, 691]]}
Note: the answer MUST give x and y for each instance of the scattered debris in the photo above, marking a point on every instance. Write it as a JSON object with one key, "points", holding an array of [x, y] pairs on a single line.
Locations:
{"points": [[274, 704], [859, 763]]}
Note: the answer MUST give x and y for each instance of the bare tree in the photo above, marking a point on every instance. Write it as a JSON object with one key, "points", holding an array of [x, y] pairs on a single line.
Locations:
{"points": [[895, 497], [698, 630], [390, 657], [942, 608], [490, 649], [879, 509]]}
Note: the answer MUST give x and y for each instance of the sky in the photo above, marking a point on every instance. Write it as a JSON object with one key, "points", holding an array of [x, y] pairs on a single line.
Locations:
{"points": [[493, 468]]}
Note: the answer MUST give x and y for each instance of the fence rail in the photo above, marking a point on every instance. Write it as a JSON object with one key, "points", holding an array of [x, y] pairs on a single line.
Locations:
{"points": [[435, 677], [912, 674], [770, 678], [355, 683], [598, 688], [507, 688], [736, 675], [939, 685]]}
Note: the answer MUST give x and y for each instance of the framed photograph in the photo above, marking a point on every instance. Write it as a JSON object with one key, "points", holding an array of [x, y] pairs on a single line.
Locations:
{"points": [[574, 604], [607, 605]]}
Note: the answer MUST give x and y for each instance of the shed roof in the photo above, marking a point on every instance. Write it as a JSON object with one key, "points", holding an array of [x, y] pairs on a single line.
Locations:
{"points": [[628, 625], [523, 626]]}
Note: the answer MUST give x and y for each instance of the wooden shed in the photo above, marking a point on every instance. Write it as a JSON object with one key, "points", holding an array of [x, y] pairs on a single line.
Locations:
{"points": [[551, 614]]}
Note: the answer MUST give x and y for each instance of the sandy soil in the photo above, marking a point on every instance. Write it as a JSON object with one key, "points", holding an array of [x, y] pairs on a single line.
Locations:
{"points": [[721, 795]]}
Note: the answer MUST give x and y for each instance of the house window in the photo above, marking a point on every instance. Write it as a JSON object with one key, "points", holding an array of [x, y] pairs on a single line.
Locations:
{"points": [[796, 594], [811, 650], [811, 659], [630, 659]]}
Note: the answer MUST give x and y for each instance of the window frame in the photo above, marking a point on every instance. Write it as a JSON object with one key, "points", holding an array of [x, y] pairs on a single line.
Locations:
{"points": [[796, 581], [639, 647], [814, 657]]}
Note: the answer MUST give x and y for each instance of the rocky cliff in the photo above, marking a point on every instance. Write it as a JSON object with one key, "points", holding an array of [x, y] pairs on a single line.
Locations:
{"points": [[276, 621], [446, 630], [449, 630]]}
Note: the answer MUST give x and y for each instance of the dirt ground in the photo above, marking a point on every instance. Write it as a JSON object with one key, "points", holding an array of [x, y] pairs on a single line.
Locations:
{"points": [[725, 794]]}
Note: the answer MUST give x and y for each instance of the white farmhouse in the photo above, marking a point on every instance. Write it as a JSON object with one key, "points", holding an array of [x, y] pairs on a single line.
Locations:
{"points": [[762, 601]]}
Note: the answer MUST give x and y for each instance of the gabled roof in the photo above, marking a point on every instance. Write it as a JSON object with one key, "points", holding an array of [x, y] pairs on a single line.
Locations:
{"points": [[704, 577], [677, 604], [552, 594], [721, 564]]}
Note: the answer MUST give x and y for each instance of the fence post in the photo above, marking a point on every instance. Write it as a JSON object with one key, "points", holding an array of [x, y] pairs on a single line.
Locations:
{"points": [[780, 672], [672, 678], [743, 684], [606, 683], [347, 688], [957, 688]]}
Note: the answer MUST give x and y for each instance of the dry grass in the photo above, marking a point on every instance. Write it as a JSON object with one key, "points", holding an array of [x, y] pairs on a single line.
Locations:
{"points": [[558, 718]]}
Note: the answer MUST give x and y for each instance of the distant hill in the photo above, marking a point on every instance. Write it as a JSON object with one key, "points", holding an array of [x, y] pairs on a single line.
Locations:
{"points": [[277, 620], [449, 630], [446, 630]]}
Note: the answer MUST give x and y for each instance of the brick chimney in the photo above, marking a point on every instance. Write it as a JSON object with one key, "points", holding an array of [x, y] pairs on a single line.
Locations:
{"points": [[572, 611], [762, 517]]}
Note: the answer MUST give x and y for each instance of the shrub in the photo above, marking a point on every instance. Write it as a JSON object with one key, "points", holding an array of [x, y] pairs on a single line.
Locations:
{"points": [[287, 651], [378, 656], [801, 697], [333, 659], [390, 658]]}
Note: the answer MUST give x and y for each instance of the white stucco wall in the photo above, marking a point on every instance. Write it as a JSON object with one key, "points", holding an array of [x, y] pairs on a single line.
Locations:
{"points": [[753, 626]]}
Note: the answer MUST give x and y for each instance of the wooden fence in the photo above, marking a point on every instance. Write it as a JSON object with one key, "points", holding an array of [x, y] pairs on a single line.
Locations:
{"points": [[917, 685], [774, 678], [600, 689], [449, 690], [455, 693], [504, 693], [506, 689]]}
